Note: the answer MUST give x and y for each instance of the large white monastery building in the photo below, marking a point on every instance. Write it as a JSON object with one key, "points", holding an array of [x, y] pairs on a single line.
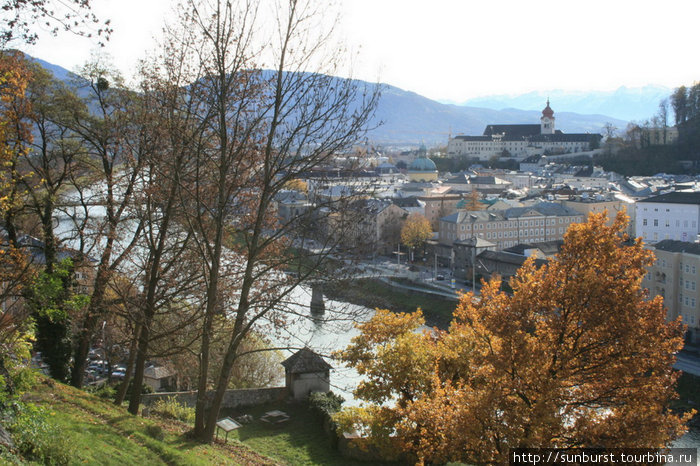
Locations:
{"points": [[521, 141]]}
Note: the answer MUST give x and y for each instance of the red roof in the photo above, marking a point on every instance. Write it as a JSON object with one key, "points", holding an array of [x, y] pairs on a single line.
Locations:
{"points": [[548, 112]]}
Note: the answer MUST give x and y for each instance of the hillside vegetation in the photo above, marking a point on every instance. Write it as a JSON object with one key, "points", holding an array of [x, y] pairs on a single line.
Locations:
{"points": [[95, 431]]}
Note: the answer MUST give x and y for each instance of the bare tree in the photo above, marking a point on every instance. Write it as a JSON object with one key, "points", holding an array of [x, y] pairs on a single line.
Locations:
{"points": [[103, 223], [261, 129]]}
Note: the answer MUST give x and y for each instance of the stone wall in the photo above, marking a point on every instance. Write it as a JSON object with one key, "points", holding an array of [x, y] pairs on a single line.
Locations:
{"points": [[232, 398]]}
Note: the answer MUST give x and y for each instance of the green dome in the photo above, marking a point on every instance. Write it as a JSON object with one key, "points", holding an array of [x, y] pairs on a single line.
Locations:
{"points": [[422, 164]]}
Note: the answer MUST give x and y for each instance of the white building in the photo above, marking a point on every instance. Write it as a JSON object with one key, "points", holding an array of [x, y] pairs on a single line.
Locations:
{"points": [[522, 141], [669, 216]]}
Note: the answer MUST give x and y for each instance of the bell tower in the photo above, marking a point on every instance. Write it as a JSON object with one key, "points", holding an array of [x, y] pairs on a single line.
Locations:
{"points": [[547, 120]]}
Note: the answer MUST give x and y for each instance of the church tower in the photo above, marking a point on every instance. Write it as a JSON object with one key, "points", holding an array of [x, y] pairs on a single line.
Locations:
{"points": [[547, 120]]}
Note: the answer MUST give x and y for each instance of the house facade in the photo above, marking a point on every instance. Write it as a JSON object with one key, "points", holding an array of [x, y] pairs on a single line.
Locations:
{"points": [[545, 221], [675, 276], [673, 216], [522, 141]]}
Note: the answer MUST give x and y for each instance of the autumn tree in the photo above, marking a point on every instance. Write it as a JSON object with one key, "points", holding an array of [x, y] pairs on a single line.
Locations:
{"points": [[166, 265], [259, 130], [21, 17], [473, 201], [415, 232], [573, 358], [103, 224]]}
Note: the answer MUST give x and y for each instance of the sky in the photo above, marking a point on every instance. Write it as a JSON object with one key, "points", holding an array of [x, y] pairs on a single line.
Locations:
{"points": [[452, 50]]}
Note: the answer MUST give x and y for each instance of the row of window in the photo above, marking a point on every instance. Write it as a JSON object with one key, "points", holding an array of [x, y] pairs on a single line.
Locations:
{"points": [[513, 224], [512, 234], [690, 302], [688, 268], [667, 223]]}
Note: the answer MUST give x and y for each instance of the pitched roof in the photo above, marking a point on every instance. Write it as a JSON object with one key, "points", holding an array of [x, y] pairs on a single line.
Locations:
{"points": [[157, 372], [305, 361], [676, 197], [561, 137], [513, 131], [672, 245], [508, 258]]}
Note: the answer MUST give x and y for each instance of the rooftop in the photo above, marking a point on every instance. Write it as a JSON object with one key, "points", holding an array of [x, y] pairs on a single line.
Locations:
{"points": [[677, 197], [305, 361], [672, 245]]}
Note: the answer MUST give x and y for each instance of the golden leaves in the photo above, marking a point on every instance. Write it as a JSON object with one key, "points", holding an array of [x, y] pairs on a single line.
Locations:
{"points": [[574, 357]]}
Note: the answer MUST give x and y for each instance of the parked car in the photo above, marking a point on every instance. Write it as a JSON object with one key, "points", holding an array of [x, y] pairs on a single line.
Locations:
{"points": [[440, 277]]}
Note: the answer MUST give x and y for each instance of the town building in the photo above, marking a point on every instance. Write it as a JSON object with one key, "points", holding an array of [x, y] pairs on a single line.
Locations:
{"points": [[422, 169], [674, 215], [522, 141], [675, 277], [595, 204], [545, 221]]}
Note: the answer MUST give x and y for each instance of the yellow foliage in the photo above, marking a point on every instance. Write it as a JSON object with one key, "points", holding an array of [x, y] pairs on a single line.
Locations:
{"points": [[575, 357], [297, 185], [416, 231]]}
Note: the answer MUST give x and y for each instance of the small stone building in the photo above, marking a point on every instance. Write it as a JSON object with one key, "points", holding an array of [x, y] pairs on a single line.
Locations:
{"points": [[160, 379], [306, 372]]}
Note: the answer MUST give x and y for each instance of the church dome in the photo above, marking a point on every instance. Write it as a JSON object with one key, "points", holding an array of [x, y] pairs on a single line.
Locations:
{"points": [[548, 112], [422, 164]]}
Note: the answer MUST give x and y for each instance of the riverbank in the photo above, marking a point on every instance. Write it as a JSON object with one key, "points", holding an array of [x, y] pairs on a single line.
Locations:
{"points": [[375, 294]]}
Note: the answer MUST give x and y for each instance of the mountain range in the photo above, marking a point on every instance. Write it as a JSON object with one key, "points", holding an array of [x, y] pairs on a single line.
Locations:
{"points": [[626, 103], [406, 119]]}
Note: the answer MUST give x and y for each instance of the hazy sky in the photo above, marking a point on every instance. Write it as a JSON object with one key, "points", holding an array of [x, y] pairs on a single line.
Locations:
{"points": [[457, 49]]}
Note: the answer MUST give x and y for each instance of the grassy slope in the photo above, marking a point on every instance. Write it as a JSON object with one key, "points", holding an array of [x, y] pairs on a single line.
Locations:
{"points": [[299, 442], [105, 434]]}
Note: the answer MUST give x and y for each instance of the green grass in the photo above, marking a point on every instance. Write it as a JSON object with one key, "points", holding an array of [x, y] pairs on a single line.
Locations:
{"points": [[299, 442], [376, 294], [105, 434]]}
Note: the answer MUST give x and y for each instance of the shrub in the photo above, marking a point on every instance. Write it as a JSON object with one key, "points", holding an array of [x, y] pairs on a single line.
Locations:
{"points": [[38, 439], [325, 403], [171, 408], [155, 431], [105, 391]]}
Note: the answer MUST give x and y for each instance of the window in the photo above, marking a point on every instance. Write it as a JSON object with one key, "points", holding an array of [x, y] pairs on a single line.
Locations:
{"points": [[663, 263], [667, 223], [644, 222], [656, 222], [692, 270], [692, 286], [687, 268]]}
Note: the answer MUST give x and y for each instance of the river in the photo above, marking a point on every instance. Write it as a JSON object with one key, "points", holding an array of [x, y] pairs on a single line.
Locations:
{"points": [[334, 330]]}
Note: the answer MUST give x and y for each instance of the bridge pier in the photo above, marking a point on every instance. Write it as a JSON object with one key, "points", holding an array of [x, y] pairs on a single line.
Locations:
{"points": [[317, 304]]}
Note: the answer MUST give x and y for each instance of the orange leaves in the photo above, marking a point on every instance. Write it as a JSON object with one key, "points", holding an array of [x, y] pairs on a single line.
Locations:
{"points": [[575, 357], [416, 231]]}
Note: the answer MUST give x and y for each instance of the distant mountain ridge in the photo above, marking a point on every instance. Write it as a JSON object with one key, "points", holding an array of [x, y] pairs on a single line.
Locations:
{"points": [[409, 119], [626, 103]]}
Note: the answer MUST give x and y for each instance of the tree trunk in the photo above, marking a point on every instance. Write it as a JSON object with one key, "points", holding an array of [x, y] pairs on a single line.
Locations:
{"points": [[90, 323], [141, 353], [121, 394]]}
